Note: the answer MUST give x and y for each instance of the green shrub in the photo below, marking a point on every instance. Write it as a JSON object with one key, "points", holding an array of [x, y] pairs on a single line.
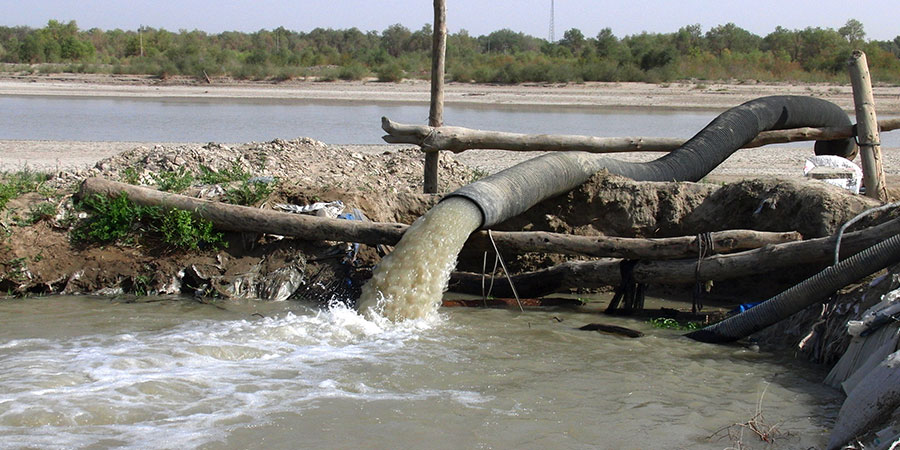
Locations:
{"points": [[390, 72], [248, 193], [173, 181], [352, 71], [180, 229], [227, 175], [120, 220], [131, 175], [113, 220]]}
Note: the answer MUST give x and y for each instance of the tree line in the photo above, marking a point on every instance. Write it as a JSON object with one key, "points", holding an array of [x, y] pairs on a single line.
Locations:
{"points": [[723, 52]]}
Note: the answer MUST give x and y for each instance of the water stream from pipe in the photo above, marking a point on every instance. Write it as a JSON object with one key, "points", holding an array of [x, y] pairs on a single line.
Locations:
{"points": [[409, 282]]}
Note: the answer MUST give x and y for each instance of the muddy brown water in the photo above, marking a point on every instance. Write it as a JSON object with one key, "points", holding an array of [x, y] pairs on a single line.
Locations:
{"points": [[90, 372]]}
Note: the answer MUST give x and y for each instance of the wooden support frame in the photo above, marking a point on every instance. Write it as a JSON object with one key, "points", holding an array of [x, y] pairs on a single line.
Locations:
{"points": [[459, 139], [868, 136], [436, 110]]}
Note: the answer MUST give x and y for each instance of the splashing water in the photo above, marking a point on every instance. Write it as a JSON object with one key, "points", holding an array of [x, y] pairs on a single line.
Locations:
{"points": [[409, 283]]}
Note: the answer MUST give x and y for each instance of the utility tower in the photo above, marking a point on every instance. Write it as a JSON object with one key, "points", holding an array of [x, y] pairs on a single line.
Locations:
{"points": [[552, 30]]}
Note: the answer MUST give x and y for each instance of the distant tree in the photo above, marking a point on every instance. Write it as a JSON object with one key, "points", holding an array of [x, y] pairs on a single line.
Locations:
{"points": [[420, 40], [731, 37], [783, 43], [394, 38], [462, 45], [607, 43], [688, 39], [573, 39], [823, 49], [853, 31], [508, 41]]}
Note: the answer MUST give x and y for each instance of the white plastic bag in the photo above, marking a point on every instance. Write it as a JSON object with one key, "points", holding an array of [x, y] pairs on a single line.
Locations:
{"points": [[834, 170]]}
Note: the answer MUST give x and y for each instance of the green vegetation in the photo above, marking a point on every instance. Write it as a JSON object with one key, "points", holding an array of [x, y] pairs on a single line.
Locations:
{"points": [[672, 324], [234, 173], [181, 229], [171, 181], [504, 56], [120, 220], [14, 184], [248, 193]]}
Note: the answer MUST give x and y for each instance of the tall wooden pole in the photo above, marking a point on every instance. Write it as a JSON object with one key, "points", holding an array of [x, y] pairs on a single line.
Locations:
{"points": [[867, 127], [436, 112]]}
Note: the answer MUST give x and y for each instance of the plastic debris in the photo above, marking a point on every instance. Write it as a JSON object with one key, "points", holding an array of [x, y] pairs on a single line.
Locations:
{"points": [[321, 209], [834, 170]]}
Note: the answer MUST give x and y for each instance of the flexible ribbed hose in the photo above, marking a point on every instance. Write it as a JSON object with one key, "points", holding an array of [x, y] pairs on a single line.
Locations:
{"points": [[808, 292], [511, 192]]}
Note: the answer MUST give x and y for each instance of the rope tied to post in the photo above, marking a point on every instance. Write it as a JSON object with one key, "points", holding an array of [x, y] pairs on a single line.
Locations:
{"points": [[705, 247]]}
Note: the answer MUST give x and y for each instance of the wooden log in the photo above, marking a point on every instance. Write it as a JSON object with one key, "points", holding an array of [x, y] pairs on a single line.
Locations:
{"points": [[436, 110], [242, 218], [867, 127], [630, 248], [459, 139], [612, 329], [816, 253], [544, 302]]}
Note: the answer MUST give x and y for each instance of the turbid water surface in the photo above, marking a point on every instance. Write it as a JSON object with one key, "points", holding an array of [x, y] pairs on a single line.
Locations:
{"points": [[90, 372]]}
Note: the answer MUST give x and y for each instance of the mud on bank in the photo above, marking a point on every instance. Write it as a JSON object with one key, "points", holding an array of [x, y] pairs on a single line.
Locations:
{"points": [[384, 186]]}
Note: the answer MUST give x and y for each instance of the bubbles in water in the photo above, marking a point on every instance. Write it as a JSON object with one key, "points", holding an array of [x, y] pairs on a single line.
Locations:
{"points": [[409, 282]]}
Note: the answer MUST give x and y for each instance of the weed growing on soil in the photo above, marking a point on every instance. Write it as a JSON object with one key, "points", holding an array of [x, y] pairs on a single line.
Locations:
{"points": [[248, 193], [233, 173], [173, 181], [16, 269], [114, 219], [130, 175], [118, 219], [181, 229], [15, 184], [672, 324]]}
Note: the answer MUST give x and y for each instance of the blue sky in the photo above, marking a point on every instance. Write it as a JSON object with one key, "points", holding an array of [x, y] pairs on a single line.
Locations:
{"points": [[880, 17]]}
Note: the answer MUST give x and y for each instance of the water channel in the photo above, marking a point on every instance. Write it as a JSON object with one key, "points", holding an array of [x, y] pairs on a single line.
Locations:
{"points": [[89, 372], [231, 121]]}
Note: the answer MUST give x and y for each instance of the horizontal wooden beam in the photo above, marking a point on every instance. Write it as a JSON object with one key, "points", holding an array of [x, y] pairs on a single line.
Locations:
{"points": [[241, 218], [459, 139]]}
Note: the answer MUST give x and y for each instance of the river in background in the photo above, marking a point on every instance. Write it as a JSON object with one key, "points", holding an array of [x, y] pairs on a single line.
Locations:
{"points": [[89, 372], [237, 121]]}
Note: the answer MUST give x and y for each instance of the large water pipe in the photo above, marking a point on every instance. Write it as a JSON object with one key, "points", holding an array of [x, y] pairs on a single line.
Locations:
{"points": [[511, 192], [806, 293]]}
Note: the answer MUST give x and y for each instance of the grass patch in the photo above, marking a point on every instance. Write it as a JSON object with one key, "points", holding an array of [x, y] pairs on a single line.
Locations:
{"points": [[173, 181], [14, 184], [672, 324], [233, 173], [119, 220]]}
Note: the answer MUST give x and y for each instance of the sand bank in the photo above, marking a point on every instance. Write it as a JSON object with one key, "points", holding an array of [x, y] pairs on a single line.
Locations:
{"points": [[676, 95]]}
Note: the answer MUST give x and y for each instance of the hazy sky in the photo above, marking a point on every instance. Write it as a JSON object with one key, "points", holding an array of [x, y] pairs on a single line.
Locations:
{"points": [[880, 17]]}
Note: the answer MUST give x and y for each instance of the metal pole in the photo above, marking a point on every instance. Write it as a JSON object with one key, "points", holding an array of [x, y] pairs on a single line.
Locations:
{"points": [[436, 112]]}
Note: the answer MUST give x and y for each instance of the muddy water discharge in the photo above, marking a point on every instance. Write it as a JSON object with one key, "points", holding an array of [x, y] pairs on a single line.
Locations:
{"points": [[78, 372], [409, 283]]}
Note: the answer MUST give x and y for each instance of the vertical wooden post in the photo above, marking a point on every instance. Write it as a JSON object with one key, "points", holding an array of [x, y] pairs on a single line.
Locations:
{"points": [[436, 112], [867, 127]]}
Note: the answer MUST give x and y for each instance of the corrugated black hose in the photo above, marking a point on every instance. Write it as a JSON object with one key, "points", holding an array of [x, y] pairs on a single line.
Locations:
{"points": [[512, 191]]}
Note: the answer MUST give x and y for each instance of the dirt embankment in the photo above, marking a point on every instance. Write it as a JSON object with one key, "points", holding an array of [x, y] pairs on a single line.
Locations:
{"points": [[384, 186]]}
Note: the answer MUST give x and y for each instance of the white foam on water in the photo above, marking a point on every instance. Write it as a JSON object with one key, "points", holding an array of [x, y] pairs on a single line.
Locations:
{"points": [[190, 384], [410, 281]]}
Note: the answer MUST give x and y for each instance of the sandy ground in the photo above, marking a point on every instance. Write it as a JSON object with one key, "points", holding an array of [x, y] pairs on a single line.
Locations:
{"points": [[69, 155]]}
